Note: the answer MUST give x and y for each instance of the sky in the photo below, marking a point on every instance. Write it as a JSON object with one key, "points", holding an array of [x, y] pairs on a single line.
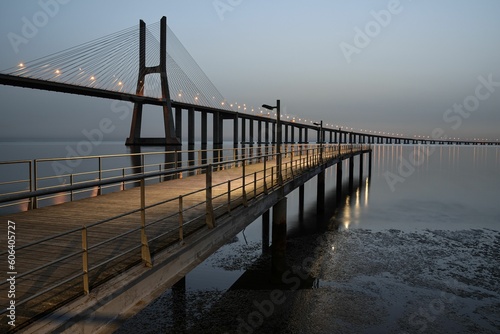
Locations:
{"points": [[397, 66]]}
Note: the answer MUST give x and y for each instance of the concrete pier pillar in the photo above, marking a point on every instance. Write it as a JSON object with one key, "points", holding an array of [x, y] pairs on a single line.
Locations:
{"points": [[204, 137], [339, 181], [279, 240], [301, 202], [178, 123], [320, 193], [361, 158], [217, 136], [265, 232], [235, 137], [179, 302], [370, 165], [191, 127], [251, 131], [293, 134], [243, 130], [351, 173]]}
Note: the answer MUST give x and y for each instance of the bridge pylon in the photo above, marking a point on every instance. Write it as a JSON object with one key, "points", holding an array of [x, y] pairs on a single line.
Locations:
{"points": [[135, 137]]}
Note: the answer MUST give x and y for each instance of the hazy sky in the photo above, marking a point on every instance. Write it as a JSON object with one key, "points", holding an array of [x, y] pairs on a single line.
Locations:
{"points": [[395, 66]]}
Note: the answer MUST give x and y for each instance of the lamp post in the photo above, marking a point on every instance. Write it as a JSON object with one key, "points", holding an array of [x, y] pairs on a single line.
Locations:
{"points": [[278, 140], [320, 139]]}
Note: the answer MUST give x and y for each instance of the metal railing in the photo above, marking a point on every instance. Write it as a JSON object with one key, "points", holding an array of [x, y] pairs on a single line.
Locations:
{"points": [[92, 262]]}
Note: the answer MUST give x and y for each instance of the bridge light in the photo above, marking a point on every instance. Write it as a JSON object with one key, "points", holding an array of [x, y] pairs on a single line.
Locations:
{"points": [[21, 65], [179, 95], [222, 103], [58, 72], [120, 83], [92, 78]]}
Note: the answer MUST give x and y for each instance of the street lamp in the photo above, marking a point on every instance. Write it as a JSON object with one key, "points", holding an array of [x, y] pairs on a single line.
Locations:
{"points": [[320, 139], [278, 140]]}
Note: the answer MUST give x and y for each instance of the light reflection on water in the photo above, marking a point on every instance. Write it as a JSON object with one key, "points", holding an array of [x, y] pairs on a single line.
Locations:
{"points": [[448, 187]]}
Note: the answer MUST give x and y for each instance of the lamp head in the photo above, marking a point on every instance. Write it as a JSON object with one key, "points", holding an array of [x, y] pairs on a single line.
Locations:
{"points": [[266, 106]]}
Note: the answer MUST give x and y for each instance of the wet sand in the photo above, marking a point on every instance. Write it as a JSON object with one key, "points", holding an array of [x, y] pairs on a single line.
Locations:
{"points": [[351, 281]]}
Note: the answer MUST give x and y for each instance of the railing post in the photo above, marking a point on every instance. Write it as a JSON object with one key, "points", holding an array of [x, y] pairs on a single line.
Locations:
{"points": [[255, 185], [35, 186], [243, 182], [265, 177], [85, 261], [146, 255], [229, 196], [30, 171], [272, 176], [210, 218], [198, 171], [99, 191], [71, 183], [181, 219]]}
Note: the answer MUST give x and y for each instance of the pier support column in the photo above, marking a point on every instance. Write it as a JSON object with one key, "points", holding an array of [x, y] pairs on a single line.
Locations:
{"points": [[361, 158], [191, 127], [251, 131], [204, 138], [339, 181], [265, 232], [217, 137], [351, 173], [370, 165], [178, 123], [279, 240], [301, 202], [235, 137], [320, 194]]}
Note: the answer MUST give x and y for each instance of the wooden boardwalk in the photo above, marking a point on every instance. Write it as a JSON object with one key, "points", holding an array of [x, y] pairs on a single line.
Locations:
{"points": [[122, 209], [35, 225]]}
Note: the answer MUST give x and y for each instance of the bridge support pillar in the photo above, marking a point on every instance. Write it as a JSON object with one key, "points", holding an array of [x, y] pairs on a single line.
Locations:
{"points": [[178, 123], [301, 202], [191, 127], [361, 160], [339, 181], [135, 127], [235, 137], [265, 232], [370, 165], [279, 240], [217, 136], [243, 131], [320, 193], [351, 173]]}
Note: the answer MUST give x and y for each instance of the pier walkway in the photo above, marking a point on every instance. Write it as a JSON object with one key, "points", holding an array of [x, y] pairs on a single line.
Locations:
{"points": [[63, 252]]}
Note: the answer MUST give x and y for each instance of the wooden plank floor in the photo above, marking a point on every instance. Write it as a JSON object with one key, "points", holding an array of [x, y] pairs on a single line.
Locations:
{"points": [[44, 222]]}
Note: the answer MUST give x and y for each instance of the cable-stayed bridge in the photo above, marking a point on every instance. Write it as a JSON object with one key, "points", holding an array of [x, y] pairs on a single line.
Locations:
{"points": [[149, 65]]}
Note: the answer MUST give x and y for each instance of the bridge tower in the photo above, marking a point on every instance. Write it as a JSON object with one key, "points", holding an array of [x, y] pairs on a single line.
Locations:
{"points": [[168, 122]]}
